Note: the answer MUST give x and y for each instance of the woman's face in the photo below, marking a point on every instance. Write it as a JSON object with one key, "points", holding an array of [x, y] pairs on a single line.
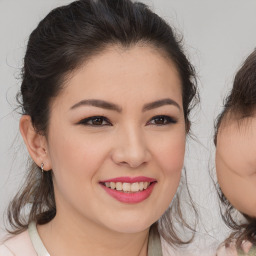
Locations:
{"points": [[236, 163], [116, 140]]}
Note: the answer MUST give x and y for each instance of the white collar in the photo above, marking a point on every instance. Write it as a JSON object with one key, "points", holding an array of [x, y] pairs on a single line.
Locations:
{"points": [[36, 240]]}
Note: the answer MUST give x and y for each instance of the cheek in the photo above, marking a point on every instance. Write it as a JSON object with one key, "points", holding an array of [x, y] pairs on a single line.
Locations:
{"points": [[241, 193], [76, 158], [170, 154], [75, 165], [237, 150], [170, 158], [239, 190]]}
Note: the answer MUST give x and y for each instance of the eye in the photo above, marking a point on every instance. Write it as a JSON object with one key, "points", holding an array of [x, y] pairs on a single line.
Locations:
{"points": [[161, 120], [95, 121]]}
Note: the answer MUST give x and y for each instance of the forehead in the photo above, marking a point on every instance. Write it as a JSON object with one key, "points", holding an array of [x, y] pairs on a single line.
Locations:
{"points": [[237, 131], [236, 122], [140, 69], [136, 59]]}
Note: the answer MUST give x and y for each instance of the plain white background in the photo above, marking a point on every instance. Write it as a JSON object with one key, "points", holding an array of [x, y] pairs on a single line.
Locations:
{"points": [[217, 36]]}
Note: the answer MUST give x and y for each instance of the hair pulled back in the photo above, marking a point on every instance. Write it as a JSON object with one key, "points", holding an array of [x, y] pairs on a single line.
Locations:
{"points": [[239, 104], [66, 38]]}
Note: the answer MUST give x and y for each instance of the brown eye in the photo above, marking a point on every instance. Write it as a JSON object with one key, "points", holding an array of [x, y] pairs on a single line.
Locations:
{"points": [[161, 120], [95, 121]]}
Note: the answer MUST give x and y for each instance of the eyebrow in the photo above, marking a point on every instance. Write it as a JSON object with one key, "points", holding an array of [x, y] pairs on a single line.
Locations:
{"points": [[160, 103], [99, 104], [114, 107]]}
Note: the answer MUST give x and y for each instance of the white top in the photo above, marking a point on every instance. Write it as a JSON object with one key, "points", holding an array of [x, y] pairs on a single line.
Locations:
{"points": [[36, 240], [28, 243]]}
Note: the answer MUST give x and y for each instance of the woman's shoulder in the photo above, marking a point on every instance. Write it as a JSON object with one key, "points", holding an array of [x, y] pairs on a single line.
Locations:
{"points": [[18, 245], [247, 249], [4, 251]]}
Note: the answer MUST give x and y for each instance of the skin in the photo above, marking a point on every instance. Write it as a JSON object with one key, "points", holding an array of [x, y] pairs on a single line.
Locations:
{"points": [[236, 163], [130, 143]]}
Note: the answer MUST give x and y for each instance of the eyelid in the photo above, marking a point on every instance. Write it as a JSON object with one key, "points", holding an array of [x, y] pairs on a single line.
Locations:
{"points": [[169, 119], [85, 121], [106, 122]]}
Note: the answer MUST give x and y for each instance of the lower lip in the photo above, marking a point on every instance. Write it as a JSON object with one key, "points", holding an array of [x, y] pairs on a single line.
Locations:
{"points": [[130, 198]]}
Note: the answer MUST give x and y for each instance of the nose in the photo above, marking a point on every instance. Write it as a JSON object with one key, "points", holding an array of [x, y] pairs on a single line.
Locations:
{"points": [[130, 148]]}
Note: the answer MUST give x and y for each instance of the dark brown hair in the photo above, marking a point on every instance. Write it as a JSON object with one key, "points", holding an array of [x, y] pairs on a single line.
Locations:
{"points": [[67, 37], [239, 104]]}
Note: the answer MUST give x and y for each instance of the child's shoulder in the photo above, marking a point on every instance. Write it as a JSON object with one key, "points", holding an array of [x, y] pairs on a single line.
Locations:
{"points": [[18, 245], [248, 249]]}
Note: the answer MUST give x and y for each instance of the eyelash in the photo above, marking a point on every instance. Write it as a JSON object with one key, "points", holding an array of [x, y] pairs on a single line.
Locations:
{"points": [[105, 122], [166, 120], [89, 121]]}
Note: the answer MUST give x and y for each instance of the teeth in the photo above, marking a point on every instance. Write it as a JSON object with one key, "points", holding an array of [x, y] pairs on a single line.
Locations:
{"points": [[112, 185], [127, 187], [145, 185], [135, 187], [119, 186]]}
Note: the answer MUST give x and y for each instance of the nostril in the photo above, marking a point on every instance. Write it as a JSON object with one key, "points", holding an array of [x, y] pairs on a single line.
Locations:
{"points": [[131, 153]]}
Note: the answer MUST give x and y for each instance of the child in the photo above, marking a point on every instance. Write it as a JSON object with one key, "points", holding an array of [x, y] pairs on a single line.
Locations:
{"points": [[235, 141]]}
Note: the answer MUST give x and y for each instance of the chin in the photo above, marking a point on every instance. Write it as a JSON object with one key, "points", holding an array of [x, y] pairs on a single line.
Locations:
{"points": [[250, 211], [131, 226], [251, 214], [133, 229]]}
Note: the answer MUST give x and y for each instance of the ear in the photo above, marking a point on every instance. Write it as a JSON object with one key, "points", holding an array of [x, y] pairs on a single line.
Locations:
{"points": [[36, 143]]}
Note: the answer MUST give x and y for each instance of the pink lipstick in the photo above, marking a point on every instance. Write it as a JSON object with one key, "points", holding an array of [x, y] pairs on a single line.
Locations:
{"points": [[129, 189]]}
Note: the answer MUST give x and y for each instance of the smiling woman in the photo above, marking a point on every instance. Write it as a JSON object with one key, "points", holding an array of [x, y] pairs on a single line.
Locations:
{"points": [[106, 97]]}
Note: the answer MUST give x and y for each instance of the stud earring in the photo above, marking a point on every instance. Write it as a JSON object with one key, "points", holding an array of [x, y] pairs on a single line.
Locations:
{"points": [[42, 167]]}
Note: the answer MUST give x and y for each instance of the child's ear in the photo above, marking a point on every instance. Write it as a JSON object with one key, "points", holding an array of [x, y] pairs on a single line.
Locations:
{"points": [[36, 143]]}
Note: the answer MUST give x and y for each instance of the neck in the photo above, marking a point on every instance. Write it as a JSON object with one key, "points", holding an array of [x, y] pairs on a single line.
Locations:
{"points": [[66, 236]]}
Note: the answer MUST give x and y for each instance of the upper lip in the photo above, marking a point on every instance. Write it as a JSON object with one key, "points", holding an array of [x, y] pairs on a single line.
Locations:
{"points": [[130, 179]]}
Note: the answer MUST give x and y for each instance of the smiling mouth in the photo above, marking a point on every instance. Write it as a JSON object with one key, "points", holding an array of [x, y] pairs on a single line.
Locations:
{"points": [[128, 187], [130, 190]]}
